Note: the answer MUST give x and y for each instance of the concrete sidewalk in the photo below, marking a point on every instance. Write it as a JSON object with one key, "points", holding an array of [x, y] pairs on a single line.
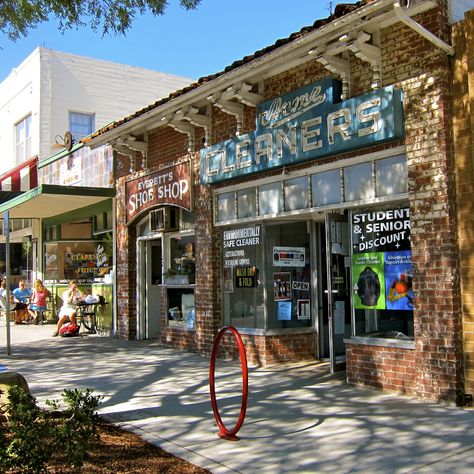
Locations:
{"points": [[299, 419]]}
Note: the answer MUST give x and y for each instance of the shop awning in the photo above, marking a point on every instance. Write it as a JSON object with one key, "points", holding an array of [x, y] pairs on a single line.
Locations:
{"points": [[49, 200], [5, 196]]}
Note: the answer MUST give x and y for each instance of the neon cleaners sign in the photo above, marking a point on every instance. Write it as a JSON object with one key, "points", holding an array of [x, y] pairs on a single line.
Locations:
{"points": [[306, 124]]}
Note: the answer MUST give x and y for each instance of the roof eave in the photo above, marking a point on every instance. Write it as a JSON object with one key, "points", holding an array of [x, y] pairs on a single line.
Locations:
{"points": [[258, 67]]}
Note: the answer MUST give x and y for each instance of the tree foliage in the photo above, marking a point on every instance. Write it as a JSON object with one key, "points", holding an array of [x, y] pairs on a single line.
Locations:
{"points": [[17, 17]]}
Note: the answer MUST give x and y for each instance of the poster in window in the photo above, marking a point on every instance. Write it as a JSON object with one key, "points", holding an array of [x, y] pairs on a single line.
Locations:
{"points": [[284, 310], [282, 286], [246, 277], [381, 231], [368, 280], [228, 279], [399, 280], [303, 309], [382, 268], [288, 256]]}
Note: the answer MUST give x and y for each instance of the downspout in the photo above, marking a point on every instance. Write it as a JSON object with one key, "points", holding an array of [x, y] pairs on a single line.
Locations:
{"points": [[448, 49]]}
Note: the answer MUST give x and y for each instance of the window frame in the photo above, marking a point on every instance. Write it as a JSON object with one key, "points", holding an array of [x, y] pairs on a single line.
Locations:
{"points": [[73, 125], [22, 139]]}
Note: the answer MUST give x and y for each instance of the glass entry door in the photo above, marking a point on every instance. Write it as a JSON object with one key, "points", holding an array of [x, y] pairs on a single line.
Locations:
{"points": [[338, 287], [153, 269]]}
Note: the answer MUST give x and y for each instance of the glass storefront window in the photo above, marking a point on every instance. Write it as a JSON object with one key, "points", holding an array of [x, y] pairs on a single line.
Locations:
{"points": [[326, 188], [180, 273], [181, 308], [86, 261], [288, 275], [274, 267], [242, 272], [182, 260], [358, 183], [382, 273], [362, 182]]}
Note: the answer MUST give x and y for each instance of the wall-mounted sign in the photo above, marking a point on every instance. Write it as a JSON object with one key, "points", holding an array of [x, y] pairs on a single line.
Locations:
{"points": [[168, 186], [70, 171], [306, 124]]}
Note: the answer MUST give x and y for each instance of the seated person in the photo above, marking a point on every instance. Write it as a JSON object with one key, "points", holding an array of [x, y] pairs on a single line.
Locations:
{"points": [[21, 297], [3, 293], [68, 310], [3, 296], [37, 301]]}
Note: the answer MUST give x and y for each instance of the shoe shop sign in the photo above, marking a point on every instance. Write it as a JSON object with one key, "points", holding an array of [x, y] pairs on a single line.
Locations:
{"points": [[306, 124], [169, 186]]}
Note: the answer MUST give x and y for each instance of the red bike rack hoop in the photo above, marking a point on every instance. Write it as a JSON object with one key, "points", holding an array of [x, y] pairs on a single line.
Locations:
{"points": [[224, 433]]}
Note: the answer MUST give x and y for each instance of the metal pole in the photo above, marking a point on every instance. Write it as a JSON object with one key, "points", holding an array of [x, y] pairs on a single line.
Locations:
{"points": [[6, 232]]}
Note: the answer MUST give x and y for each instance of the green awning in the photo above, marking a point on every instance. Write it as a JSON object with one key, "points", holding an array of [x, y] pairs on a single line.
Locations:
{"points": [[49, 200]]}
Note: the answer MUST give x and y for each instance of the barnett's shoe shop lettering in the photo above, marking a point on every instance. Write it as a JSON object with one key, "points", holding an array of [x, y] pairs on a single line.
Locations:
{"points": [[170, 186], [306, 124]]}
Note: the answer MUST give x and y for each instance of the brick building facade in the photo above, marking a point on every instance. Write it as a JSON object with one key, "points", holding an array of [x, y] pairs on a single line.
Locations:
{"points": [[280, 227]]}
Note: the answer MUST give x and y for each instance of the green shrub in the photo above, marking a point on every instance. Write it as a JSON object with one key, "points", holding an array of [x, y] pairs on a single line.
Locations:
{"points": [[30, 436], [78, 426]]}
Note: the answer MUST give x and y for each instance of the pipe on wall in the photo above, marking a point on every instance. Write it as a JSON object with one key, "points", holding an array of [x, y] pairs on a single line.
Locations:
{"points": [[439, 43]]}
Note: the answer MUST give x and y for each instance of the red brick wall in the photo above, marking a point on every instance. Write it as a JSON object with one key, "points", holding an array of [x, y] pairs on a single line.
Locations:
{"points": [[463, 125], [126, 269], [385, 368], [270, 350], [423, 72]]}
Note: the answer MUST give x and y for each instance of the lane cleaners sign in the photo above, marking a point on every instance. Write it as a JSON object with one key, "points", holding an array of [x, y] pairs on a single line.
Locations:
{"points": [[306, 124]]}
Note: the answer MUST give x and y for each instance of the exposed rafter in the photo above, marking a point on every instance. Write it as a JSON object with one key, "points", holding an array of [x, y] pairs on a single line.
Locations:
{"points": [[341, 67], [183, 126], [232, 108], [192, 115], [243, 94], [127, 145], [355, 32], [369, 53]]}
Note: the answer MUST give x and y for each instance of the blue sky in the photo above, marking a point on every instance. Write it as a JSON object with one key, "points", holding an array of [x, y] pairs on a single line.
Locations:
{"points": [[188, 43]]}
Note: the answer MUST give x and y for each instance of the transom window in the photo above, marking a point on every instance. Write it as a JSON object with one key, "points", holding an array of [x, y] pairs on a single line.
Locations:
{"points": [[371, 181]]}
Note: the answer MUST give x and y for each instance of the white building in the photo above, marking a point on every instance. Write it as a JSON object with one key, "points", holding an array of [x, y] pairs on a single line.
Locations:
{"points": [[52, 92], [48, 94]]}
